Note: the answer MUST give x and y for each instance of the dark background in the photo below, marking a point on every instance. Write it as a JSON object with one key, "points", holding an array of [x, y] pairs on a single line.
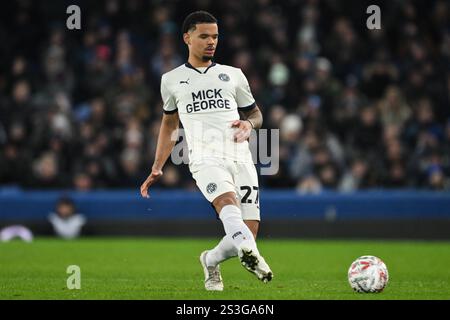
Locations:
{"points": [[356, 108]]}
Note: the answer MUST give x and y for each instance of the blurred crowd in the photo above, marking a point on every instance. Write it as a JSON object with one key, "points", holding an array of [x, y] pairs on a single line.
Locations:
{"points": [[356, 108]]}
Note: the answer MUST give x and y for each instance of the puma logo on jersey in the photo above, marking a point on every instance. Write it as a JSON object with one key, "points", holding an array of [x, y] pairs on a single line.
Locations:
{"points": [[184, 81]]}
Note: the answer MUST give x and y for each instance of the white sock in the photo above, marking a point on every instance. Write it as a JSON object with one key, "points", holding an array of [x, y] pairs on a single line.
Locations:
{"points": [[223, 251], [238, 232]]}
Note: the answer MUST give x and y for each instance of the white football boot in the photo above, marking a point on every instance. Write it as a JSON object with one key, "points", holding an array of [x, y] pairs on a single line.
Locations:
{"points": [[255, 263], [213, 279]]}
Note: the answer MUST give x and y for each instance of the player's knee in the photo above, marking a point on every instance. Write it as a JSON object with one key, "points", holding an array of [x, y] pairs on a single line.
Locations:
{"points": [[223, 200]]}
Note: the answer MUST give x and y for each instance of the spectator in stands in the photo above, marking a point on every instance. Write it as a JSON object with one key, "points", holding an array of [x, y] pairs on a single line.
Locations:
{"points": [[46, 173], [358, 177], [309, 185], [82, 110], [66, 222], [82, 182]]}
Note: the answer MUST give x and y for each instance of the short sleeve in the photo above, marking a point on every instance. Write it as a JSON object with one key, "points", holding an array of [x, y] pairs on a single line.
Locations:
{"points": [[169, 105], [244, 97]]}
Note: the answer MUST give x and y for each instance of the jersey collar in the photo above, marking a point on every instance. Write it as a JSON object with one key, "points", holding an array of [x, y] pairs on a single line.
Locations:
{"points": [[188, 65]]}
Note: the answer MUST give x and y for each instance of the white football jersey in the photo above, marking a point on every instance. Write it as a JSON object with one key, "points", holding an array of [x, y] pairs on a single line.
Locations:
{"points": [[207, 101]]}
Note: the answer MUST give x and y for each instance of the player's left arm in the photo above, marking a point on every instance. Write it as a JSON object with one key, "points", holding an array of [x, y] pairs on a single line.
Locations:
{"points": [[251, 119], [251, 116], [254, 116]]}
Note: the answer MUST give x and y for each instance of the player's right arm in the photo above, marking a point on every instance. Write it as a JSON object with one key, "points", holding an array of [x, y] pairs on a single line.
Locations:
{"points": [[167, 138], [168, 134]]}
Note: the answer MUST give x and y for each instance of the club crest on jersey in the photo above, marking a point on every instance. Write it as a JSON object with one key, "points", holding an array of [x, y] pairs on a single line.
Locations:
{"points": [[224, 77], [210, 188]]}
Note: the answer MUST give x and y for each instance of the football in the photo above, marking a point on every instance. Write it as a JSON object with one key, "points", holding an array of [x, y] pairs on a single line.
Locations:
{"points": [[368, 274]]}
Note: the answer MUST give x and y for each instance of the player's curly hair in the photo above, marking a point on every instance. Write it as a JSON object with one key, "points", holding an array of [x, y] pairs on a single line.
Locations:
{"points": [[195, 18]]}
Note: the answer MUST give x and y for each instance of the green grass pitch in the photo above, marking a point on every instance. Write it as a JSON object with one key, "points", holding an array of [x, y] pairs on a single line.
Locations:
{"points": [[155, 268]]}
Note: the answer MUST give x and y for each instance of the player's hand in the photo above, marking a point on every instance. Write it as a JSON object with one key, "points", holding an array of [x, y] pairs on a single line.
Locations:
{"points": [[244, 129], [151, 179]]}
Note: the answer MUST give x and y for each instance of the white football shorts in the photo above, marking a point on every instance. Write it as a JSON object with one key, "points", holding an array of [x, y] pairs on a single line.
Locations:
{"points": [[218, 176]]}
